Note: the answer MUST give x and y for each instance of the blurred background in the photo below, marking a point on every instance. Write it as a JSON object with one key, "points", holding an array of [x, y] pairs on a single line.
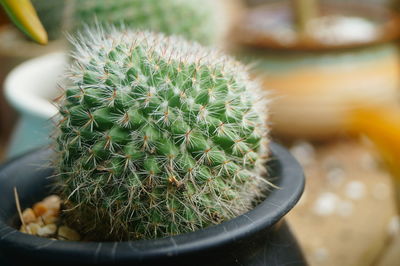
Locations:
{"points": [[332, 69]]}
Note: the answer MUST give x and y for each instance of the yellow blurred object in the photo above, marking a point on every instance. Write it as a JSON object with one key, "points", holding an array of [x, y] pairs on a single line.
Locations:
{"points": [[25, 18], [382, 126]]}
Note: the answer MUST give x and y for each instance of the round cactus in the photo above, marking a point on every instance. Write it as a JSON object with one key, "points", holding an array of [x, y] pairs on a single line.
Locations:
{"points": [[203, 21], [158, 136]]}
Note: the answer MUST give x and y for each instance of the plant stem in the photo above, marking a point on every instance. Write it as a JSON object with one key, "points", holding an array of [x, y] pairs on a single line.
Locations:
{"points": [[18, 205]]}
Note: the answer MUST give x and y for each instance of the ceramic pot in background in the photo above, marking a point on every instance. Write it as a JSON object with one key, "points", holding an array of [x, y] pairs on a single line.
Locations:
{"points": [[344, 60], [257, 238], [15, 49], [314, 91], [30, 89]]}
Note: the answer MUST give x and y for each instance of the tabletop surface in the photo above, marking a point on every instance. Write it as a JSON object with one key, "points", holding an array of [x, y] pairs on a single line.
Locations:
{"points": [[347, 214]]}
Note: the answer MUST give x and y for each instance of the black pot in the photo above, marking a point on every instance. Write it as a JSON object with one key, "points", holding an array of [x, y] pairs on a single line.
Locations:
{"points": [[255, 238]]}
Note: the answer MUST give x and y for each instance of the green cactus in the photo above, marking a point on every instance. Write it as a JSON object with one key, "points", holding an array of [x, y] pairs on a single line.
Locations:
{"points": [[158, 136], [199, 20], [51, 15]]}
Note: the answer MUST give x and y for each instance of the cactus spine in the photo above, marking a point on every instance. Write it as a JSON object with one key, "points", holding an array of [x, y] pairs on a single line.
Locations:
{"points": [[158, 136]]}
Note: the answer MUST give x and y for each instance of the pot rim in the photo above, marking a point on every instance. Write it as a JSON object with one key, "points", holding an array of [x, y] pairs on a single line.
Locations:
{"points": [[267, 213], [18, 90]]}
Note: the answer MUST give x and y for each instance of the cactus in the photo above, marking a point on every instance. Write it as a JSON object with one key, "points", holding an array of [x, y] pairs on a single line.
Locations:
{"points": [[199, 20], [50, 13], [158, 136]]}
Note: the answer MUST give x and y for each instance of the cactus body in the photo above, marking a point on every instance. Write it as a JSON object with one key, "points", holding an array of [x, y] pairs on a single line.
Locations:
{"points": [[158, 136], [199, 20]]}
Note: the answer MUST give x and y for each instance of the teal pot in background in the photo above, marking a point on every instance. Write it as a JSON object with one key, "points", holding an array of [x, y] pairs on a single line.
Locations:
{"points": [[30, 89], [15, 49], [315, 91], [348, 59]]}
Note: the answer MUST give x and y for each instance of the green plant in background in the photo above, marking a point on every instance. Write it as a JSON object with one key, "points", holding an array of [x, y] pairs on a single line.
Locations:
{"points": [[202, 21], [51, 14], [158, 136]]}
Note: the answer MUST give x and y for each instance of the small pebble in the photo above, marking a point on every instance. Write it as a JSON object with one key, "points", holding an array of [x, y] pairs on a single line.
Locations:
{"points": [[53, 202], [64, 232], [47, 230], [34, 228], [50, 219], [31, 228], [40, 209], [28, 216], [355, 190], [49, 207], [44, 220]]}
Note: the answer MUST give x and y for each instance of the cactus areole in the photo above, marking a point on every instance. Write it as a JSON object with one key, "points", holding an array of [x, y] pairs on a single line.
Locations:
{"points": [[158, 136]]}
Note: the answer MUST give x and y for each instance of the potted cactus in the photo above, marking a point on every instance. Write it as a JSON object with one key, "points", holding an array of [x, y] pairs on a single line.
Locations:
{"points": [[156, 138]]}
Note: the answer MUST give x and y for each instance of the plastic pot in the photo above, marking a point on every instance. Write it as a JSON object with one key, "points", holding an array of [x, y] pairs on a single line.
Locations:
{"points": [[255, 238]]}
